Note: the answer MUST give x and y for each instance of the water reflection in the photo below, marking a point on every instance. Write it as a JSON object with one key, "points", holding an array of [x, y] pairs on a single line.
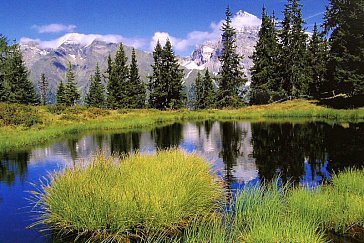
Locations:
{"points": [[240, 152]]}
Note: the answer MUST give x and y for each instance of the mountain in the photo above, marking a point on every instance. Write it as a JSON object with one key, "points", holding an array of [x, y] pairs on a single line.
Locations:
{"points": [[83, 56], [84, 51], [206, 55]]}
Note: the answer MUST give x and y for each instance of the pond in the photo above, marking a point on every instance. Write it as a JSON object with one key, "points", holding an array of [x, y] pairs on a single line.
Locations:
{"points": [[240, 152]]}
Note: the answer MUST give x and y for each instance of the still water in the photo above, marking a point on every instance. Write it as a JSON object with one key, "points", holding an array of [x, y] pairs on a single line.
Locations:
{"points": [[240, 152]]}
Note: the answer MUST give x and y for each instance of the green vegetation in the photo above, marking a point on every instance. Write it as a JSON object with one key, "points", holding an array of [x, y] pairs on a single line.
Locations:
{"points": [[23, 126], [95, 95], [140, 197]]}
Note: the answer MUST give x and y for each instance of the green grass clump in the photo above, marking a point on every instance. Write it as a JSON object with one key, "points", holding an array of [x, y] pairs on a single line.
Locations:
{"points": [[261, 216], [337, 207], [141, 196]]}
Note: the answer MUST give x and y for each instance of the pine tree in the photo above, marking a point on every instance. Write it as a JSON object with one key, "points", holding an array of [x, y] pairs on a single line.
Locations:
{"points": [[3, 53], [199, 92], [172, 75], [265, 82], [166, 90], [61, 94], [118, 86], [158, 94], [231, 75], [138, 92], [318, 55], [345, 67], [18, 88], [95, 94], [43, 88], [293, 52], [71, 93], [209, 92]]}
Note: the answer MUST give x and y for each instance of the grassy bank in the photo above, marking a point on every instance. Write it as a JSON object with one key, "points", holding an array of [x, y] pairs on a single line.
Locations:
{"points": [[23, 126], [269, 213], [137, 197]]}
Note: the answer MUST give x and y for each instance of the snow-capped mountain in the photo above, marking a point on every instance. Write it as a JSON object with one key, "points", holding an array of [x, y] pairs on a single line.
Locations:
{"points": [[84, 51], [206, 55]]}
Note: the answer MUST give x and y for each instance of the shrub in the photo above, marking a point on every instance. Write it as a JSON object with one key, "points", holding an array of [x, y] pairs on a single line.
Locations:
{"points": [[16, 114]]}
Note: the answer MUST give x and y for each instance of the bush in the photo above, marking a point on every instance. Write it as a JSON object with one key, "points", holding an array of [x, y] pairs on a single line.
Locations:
{"points": [[16, 114]]}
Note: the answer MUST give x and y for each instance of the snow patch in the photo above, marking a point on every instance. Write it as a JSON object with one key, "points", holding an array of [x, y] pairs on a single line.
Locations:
{"points": [[73, 56], [191, 65]]}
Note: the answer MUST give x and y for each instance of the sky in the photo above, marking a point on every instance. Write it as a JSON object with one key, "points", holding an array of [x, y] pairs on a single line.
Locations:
{"points": [[138, 23]]}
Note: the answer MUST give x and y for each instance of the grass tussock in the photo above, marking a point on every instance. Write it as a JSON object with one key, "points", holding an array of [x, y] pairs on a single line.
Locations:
{"points": [[136, 197], [22, 126]]}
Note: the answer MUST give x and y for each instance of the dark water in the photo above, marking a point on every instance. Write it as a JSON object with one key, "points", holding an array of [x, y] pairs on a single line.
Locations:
{"points": [[240, 152]]}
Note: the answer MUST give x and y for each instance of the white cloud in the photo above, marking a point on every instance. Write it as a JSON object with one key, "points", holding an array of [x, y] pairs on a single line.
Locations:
{"points": [[54, 28], [85, 39]]}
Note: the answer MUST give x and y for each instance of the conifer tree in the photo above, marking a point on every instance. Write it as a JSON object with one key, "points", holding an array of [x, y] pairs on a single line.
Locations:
{"points": [[138, 92], [95, 94], [345, 67], [43, 88], [3, 53], [317, 60], [18, 88], [118, 86], [199, 92], [172, 75], [61, 94], [166, 91], [293, 51], [158, 94], [231, 74], [264, 79], [209, 92], [71, 93]]}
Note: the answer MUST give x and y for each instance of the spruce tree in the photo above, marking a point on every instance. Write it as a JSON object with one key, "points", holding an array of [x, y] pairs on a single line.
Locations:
{"points": [[71, 93], [208, 91], [199, 92], [166, 90], [317, 60], [293, 52], [61, 94], [137, 92], [157, 91], [3, 53], [172, 75], [118, 86], [95, 94], [345, 69], [265, 82], [231, 74], [18, 88], [43, 88]]}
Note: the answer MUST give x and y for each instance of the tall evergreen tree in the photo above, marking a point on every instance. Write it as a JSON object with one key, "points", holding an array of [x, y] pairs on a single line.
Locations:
{"points": [[71, 93], [208, 91], [61, 94], [265, 81], [317, 60], [43, 88], [18, 88], [95, 94], [166, 90], [199, 92], [118, 86], [157, 91], [231, 74], [138, 92], [345, 69], [293, 51], [3, 53]]}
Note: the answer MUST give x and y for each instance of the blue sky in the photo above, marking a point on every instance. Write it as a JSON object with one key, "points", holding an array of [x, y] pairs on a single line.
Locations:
{"points": [[133, 22]]}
